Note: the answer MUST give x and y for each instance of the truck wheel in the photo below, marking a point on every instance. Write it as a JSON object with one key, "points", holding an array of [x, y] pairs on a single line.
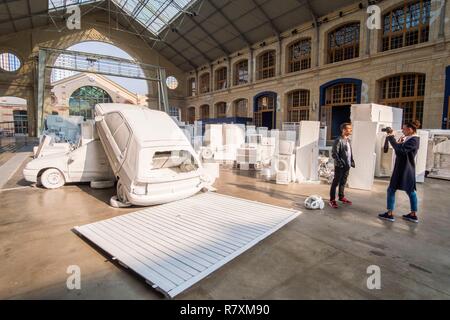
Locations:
{"points": [[118, 204], [52, 179]]}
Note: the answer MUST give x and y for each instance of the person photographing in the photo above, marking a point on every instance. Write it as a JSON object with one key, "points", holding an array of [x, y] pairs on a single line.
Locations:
{"points": [[404, 173], [343, 160]]}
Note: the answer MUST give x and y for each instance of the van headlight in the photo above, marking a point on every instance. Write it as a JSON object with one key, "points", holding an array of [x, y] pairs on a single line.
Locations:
{"points": [[140, 189]]}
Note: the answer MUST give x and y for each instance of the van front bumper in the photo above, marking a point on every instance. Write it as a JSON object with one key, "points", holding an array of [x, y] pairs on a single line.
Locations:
{"points": [[155, 199], [30, 174]]}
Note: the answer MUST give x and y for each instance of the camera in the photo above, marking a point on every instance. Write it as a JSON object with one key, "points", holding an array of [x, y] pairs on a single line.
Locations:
{"points": [[388, 130]]}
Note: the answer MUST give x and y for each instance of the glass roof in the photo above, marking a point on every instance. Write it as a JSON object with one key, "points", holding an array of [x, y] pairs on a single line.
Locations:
{"points": [[154, 15], [59, 4]]}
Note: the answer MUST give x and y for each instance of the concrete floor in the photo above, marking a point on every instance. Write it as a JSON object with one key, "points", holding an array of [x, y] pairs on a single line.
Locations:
{"points": [[320, 255]]}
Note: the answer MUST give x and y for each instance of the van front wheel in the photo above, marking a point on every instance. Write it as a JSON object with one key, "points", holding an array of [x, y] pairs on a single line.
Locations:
{"points": [[52, 179]]}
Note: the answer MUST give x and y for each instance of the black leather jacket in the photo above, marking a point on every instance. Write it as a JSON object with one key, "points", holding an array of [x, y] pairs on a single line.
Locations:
{"points": [[339, 154]]}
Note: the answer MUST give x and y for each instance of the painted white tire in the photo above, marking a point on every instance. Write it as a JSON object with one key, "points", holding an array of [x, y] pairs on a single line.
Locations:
{"points": [[52, 179], [117, 204]]}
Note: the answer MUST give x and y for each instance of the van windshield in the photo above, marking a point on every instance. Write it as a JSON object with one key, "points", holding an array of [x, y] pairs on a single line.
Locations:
{"points": [[177, 160]]}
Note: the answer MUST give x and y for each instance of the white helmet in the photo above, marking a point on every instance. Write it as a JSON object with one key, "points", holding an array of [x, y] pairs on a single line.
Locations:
{"points": [[314, 202]]}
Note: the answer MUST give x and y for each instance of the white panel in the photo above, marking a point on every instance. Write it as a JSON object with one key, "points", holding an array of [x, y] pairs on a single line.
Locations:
{"points": [[363, 148], [421, 158], [175, 245], [307, 153]]}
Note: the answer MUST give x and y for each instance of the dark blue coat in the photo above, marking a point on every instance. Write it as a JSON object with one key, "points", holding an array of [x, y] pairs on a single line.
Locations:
{"points": [[404, 173]]}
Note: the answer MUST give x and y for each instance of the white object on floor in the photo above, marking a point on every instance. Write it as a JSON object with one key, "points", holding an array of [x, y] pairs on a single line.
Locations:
{"points": [[314, 202], [363, 149], [175, 245], [284, 168], [307, 153]]}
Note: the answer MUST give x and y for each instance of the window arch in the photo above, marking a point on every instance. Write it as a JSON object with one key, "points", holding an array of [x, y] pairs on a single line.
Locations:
{"points": [[191, 115], [204, 112], [204, 83], [406, 25], [241, 72], [221, 78], [221, 110], [266, 65], [299, 55], [240, 108], [298, 106], [83, 100], [343, 42], [265, 109], [406, 91]]}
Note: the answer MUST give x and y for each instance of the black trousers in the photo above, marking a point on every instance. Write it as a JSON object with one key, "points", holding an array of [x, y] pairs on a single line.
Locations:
{"points": [[340, 179]]}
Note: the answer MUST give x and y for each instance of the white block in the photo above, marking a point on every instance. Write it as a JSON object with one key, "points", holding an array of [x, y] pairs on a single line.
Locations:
{"points": [[363, 148], [421, 158], [377, 113], [307, 153], [286, 147], [213, 135]]}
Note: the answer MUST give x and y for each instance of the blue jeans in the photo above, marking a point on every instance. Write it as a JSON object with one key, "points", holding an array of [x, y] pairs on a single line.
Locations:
{"points": [[391, 200]]}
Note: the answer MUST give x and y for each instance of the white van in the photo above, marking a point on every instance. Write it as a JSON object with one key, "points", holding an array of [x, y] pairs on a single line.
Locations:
{"points": [[150, 156], [58, 163]]}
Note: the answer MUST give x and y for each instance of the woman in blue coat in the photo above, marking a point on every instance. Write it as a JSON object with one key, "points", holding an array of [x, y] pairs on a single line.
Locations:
{"points": [[404, 173]]}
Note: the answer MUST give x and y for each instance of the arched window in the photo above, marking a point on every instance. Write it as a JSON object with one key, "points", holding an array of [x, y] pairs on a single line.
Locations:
{"points": [[192, 87], [240, 109], [299, 55], [221, 78], [204, 83], [204, 112], [191, 115], [406, 91], [83, 100], [265, 110], [266, 65], [241, 72], [221, 110], [343, 43], [337, 107], [407, 25], [298, 106]]}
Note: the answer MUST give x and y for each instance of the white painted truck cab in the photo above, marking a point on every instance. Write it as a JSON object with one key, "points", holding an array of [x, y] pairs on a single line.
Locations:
{"points": [[152, 160]]}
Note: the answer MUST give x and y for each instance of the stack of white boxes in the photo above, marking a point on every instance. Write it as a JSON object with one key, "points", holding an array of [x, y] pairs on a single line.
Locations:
{"points": [[283, 164], [248, 155], [367, 142], [233, 137]]}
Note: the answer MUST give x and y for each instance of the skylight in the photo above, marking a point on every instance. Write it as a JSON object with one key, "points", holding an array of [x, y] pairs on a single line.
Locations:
{"points": [[60, 4], [154, 15]]}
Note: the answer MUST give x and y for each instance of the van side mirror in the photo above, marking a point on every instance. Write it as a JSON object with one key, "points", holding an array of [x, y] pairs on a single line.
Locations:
{"points": [[98, 118]]}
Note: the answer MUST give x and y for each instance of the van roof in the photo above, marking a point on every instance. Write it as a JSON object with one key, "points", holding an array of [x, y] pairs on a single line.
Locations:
{"points": [[147, 125]]}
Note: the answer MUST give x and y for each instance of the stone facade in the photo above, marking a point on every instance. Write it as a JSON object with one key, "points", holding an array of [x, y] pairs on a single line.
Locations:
{"points": [[63, 89], [430, 58]]}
